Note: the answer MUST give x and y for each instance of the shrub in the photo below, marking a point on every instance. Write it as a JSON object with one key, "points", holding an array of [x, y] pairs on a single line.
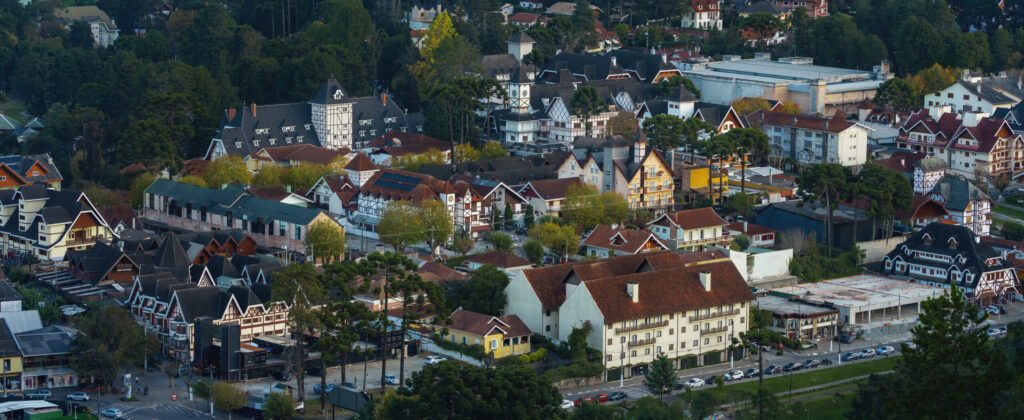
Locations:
{"points": [[579, 369], [475, 351]]}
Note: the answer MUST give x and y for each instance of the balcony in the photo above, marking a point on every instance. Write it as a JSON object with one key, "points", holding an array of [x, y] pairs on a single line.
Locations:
{"points": [[640, 343], [83, 241], [705, 240], [714, 315], [713, 331], [640, 327]]}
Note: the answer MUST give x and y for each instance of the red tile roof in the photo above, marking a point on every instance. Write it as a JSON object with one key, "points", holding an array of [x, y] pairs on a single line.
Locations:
{"points": [[361, 163], [750, 228], [902, 160], [524, 18], [118, 213], [499, 259], [397, 138], [194, 166], [697, 218], [483, 325], [801, 121], [621, 239], [950, 127], [304, 153], [443, 272], [548, 282], [270, 193], [670, 291], [394, 184]]}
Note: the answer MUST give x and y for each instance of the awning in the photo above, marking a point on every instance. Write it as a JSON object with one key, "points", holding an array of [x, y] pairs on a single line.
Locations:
{"points": [[60, 370], [360, 219]]}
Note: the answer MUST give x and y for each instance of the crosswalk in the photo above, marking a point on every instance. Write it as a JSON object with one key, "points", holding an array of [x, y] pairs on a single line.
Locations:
{"points": [[161, 411]]}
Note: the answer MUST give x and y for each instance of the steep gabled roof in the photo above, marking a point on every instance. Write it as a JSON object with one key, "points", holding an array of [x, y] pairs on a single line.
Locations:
{"points": [[696, 218], [361, 163], [499, 259], [621, 239], [483, 325], [551, 189]]}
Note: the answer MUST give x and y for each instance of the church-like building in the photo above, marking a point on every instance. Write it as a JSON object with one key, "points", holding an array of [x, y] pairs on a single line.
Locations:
{"points": [[331, 119]]}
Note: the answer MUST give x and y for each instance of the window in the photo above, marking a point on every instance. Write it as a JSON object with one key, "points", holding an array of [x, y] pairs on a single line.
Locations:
{"points": [[282, 228], [494, 343], [609, 341], [695, 343], [657, 334], [707, 341], [632, 353], [463, 340], [298, 232], [657, 349], [670, 331], [622, 339], [647, 350], [608, 358], [547, 328], [719, 339]]}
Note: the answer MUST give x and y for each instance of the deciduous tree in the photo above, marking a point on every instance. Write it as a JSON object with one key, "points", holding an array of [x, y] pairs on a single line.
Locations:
{"points": [[227, 397], [400, 225], [587, 102], [226, 169], [484, 292], [437, 223], [325, 240]]}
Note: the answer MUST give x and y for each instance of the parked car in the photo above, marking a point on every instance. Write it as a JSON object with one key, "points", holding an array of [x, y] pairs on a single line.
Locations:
{"points": [[350, 385], [885, 350], [868, 352], [319, 390], [1002, 330], [992, 309], [771, 369], [601, 398], [811, 363], [792, 366], [826, 362], [39, 393], [114, 413], [281, 375], [910, 345], [752, 372], [694, 383], [567, 404], [734, 375], [390, 379], [581, 400], [433, 360], [711, 379], [78, 396], [1002, 309], [993, 332], [845, 339], [851, 356], [617, 396], [521, 231]]}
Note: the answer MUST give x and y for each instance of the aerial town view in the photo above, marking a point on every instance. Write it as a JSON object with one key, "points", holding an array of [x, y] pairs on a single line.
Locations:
{"points": [[522, 209]]}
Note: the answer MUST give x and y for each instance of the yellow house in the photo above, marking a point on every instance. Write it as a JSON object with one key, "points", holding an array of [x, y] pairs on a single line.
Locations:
{"points": [[693, 183], [11, 364], [500, 335], [650, 181]]}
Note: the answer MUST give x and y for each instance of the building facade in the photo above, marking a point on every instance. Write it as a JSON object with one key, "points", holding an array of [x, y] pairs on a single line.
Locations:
{"points": [[691, 230], [48, 223], [810, 140], [703, 14]]}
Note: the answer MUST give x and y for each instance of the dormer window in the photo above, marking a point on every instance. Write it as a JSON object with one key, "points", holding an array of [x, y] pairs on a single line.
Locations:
{"points": [[288, 140], [337, 94], [927, 239], [298, 138], [952, 243], [365, 122], [238, 145], [272, 141], [35, 173], [255, 143], [289, 129], [262, 131], [308, 126]]}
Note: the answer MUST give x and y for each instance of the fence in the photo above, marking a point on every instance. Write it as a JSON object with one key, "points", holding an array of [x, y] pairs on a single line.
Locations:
{"points": [[454, 355]]}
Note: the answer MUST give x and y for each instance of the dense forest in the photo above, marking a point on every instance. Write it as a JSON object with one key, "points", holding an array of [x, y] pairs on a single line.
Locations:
{"points": [[158, 94]]}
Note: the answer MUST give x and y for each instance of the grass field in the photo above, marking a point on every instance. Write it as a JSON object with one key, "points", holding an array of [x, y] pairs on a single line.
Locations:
{"points": [[778, 384], [1008, 211], [828, 407], [13, 109]]}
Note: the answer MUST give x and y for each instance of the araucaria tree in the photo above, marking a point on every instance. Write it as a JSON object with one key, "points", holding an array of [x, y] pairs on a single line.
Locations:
{"points": [[586, 102], [825, 183], [299, 286]]}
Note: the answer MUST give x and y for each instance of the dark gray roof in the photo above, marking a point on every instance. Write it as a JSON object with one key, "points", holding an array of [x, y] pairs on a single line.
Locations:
{"points": [[1014, 116], [233, 199], [22, 165], [8, 293], [519, 38], [50, 340], [54, 215], [956, 192], [7, 343], [765, 6], [599, 66], [326, 93], [975, 252], [997, 89], [370, 118], [99, 259], [67, 201], [171, 254]]}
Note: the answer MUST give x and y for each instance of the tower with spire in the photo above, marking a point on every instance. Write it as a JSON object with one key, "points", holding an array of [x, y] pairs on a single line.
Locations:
{"points": [[331, 116]]}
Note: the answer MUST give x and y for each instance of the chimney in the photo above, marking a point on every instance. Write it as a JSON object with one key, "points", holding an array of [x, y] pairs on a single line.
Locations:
{"points": [[664, 58], [705, 280], [384, 98], [288, 188], [744, 226], [824, 125], [614, 61], [633, 290], [253, 105], [965, 75]]}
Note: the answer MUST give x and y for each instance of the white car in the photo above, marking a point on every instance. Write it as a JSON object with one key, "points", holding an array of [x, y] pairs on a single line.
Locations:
{"points": [[993, 332], [885, 350], [868, 352], [78, 396], [910, 345], [695, 383], [390, 379], [433, 360], [566, 404], [734, 375], [114, 413]]}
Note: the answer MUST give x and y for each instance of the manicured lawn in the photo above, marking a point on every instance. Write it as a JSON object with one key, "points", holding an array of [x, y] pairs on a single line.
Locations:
{"points": [[13, 108], [780, 383], [829, 407], [1011, 212]]}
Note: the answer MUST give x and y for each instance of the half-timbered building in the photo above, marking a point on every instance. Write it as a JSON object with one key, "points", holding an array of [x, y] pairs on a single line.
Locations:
{"points": [[941, 254], [971, 143], [967, 204], [47, 223]]}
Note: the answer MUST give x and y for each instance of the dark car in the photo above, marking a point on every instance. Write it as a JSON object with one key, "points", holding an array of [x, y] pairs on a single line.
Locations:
{"points": [[850, 356], [791, 366], [282, 376], [752, 372], [771, 369], [1002, 310], [826, 362], [617, 396], [711, 380], [811, 363], [845, 339], [680, 384]]}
